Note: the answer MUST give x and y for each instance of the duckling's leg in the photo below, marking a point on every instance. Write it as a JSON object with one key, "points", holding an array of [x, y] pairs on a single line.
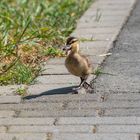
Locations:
{"points": [[83, 81]]}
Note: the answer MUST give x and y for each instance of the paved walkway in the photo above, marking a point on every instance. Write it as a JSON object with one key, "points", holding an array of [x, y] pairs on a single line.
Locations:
{"points": [[51, 112]]}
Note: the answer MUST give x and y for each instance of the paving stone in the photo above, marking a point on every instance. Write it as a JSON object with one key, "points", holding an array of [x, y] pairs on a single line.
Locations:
{"points": [[49, 89], [98, 120], [103, 24], [10, 99], [82, 113], [60, 113], [115, 6], [96, 37], [108, 13], [124, 96], [55, 69], [92, 19], [57, 79], [62, 98], [7, 114], [32, 106], [80, 136], [3, 129], [108, 104], [82, 97], [92, 44], [107, 21], [118, 129], [116, 2], [99, 30], [97, 51], [26, 121], [53, 129], [122, 112], [25, 136]]}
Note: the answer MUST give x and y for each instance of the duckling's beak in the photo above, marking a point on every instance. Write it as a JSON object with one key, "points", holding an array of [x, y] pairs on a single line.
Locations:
{"points": [[67, 48]]}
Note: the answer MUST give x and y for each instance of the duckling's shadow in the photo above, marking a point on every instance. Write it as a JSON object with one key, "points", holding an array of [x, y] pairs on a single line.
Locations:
{"points": [[65, 90]]}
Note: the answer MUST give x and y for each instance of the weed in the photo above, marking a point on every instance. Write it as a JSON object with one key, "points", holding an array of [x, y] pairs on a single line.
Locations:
{"points": [[22, 91], [99, 71]]}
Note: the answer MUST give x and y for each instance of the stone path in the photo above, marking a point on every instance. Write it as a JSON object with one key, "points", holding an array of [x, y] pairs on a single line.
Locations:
{"points": [[51, 112]]}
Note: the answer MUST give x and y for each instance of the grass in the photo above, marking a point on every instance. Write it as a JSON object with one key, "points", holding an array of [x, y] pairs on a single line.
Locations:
{"points": [[30, 31], [22, 91], [99, 71]]}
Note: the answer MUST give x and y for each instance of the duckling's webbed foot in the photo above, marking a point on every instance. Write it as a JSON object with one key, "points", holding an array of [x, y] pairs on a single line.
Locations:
{"points": [[80, 85], [86, 85]]}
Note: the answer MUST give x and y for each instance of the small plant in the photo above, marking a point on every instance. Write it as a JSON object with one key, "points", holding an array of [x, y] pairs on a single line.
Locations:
{"points": [[22, 91], [99, 71], [52, 51]]}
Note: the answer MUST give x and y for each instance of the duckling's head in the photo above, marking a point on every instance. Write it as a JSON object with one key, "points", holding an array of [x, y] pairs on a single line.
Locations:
{"points": [[72, 45]]}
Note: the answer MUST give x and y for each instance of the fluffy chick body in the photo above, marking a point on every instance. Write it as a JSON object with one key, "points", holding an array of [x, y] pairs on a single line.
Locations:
{"points": [[76, 63]]}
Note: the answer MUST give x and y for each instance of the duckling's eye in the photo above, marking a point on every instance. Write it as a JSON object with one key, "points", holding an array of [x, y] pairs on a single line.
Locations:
{"points": [[72, 42]]}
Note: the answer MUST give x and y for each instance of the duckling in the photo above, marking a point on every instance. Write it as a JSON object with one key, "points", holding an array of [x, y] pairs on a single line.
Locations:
{"points": [[76, 63]]}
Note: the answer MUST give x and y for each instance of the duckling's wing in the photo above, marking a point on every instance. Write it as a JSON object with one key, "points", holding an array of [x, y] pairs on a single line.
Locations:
{"points": [[87, 60]]}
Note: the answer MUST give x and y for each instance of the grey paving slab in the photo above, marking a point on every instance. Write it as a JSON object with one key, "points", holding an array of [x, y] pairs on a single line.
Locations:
{"points": [[101, 24], [114, 1], [93, 51], [43, 90], [81, 112], [61, 97], [26, 121], [107, 12], [123, 96], [98, 120], [24, 136], [59, 79], [55, 129], [122, 112], [10, 99], [55, 69], [92, 44], [60, 113], [118, 129], [7, 114], [96, 37], [82, 97], [79, 136], [108, 104], [56, 60], [109, 30], [115, 6], [3, 129], [102, 18], [32, 106]]}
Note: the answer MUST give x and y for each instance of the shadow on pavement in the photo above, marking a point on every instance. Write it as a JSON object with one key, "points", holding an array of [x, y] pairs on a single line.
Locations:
{"points": [[65, 90]]}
